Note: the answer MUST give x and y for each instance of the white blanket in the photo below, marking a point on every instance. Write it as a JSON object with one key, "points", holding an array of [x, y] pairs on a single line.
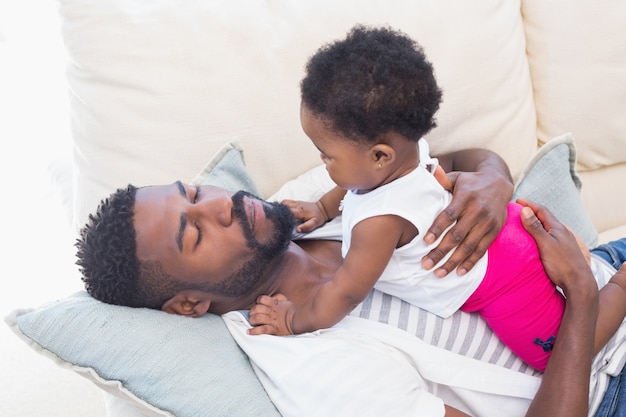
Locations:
{"points": [[364, 368]]}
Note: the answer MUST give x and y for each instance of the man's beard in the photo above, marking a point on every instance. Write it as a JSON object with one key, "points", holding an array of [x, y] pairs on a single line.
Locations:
{"points": [[249, 275]]}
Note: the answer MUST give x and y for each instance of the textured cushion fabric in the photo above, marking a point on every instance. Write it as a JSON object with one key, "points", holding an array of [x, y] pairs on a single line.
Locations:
{"points": [[168, 364], [165, 364], [227, 169], [551, 178], [152, 83]]}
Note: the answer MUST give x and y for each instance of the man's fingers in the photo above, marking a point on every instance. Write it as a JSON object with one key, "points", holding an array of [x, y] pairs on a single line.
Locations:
{"points": [[451, 240], [458, 255], [465, 255], [471, 241], [539, 221], [441, 223], [531, 222], [474, 257]]}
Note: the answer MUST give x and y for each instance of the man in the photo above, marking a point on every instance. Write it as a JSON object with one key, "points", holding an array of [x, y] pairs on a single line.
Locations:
{"points": [[196, 247], [191, 251]]}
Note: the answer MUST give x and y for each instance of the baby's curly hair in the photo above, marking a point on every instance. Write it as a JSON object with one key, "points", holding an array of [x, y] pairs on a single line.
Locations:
{"points": [[107, 257], [374, 81]]}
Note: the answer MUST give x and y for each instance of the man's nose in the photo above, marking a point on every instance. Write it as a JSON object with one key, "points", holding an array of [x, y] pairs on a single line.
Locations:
{"points": [[216, 207]]}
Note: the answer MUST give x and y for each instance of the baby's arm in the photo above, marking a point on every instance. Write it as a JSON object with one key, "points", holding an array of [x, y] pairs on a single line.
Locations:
{"points": [[315, 214], [373, 242]]}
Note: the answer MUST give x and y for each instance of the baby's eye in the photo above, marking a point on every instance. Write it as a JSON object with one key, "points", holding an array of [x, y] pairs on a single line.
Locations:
{"points": [[195, 197]]}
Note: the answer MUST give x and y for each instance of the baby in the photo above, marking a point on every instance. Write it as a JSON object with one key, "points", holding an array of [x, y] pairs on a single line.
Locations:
{"points": [[367, 102]]}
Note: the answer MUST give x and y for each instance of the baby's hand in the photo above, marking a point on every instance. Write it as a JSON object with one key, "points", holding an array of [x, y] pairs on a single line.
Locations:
{"points": [[308, 212], [272, 315]]}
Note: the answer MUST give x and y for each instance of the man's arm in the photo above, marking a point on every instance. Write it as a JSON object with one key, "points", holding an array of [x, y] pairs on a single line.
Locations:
{"points": [[481, 188], [564, 389]]}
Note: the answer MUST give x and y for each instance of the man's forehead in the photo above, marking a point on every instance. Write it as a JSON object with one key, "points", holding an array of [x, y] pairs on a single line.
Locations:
{"points": [[154, 218], [158, 188]]}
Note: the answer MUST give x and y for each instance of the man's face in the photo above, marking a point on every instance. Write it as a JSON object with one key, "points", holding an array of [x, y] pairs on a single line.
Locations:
{"points": [[210, 237]]}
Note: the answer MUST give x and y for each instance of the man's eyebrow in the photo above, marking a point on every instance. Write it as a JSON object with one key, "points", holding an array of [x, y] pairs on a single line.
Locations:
{"points": [[181, 231], [181, 188], [183, 218]]}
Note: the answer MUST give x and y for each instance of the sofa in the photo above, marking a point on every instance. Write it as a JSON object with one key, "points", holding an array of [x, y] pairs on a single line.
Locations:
{"points": [[168, 90]]}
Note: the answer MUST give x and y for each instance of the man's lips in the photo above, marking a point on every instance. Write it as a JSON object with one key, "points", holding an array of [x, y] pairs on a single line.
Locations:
{"points": [[255, 212]]}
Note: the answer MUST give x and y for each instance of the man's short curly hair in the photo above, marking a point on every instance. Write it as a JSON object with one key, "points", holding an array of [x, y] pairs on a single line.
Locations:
{"points": [[106, 250], [374, 81], [107, 257]]}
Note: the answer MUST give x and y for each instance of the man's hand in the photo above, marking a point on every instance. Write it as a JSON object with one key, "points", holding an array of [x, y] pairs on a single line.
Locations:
{"points": [[272, 315], [559, 249], [309, 213], [564, 389], [478, 207]]}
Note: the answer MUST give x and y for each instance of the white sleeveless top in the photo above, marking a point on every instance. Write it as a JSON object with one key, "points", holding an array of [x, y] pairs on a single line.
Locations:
{"points": [[418, 198]]}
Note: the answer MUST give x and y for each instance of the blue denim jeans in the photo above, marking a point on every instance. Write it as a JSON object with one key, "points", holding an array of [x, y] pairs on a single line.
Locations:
{"points": [[614, 402], [613, 252]]}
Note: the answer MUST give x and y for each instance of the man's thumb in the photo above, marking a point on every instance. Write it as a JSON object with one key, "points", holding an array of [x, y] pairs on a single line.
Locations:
{"points": [[530, 221]]}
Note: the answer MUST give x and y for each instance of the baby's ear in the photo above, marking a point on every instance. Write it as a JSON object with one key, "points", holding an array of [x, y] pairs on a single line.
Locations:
{"points": [[382, 154], [442, 178], [188, 303]]}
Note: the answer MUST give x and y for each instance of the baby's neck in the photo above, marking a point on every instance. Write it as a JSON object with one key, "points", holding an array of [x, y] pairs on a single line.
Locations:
{"points": [[406, 160]]}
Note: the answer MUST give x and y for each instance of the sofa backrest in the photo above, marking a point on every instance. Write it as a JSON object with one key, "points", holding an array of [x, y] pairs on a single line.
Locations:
{"points": [[577, 57], [157, 87]]}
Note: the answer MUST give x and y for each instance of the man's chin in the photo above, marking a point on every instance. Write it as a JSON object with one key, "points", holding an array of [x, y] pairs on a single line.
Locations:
{"points": [[284, 223]]}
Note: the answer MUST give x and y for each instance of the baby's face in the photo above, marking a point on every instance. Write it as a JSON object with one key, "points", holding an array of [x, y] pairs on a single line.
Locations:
{"points": [[350, 164]]}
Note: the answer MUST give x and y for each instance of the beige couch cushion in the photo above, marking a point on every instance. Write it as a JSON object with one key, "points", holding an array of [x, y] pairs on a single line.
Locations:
{"points": [[157, 87], [577, 57], [574, 69]]}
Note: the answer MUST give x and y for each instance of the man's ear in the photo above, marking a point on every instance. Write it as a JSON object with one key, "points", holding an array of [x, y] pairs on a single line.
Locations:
{"points": [[188, 303], [382, 154]]}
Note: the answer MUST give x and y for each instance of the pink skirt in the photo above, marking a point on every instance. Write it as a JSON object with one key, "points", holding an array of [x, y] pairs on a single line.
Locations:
{"points": [[516, 298]]}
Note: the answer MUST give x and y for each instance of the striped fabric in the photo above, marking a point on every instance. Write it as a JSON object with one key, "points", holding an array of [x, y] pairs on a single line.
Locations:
{"points": [[463, 333], [468, 334]]}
